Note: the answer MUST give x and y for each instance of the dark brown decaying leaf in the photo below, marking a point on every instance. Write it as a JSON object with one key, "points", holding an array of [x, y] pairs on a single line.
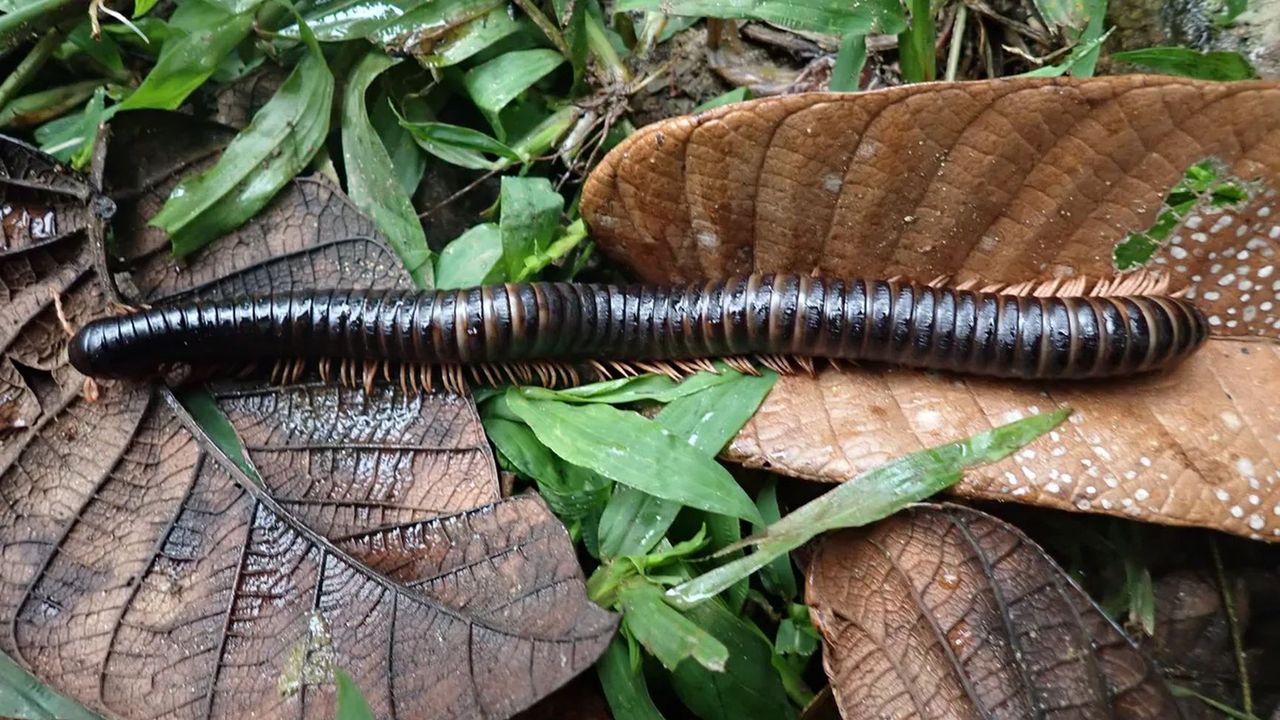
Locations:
{"points": [[1010, 180], [943, 611], [143, 577], [41, 200]]}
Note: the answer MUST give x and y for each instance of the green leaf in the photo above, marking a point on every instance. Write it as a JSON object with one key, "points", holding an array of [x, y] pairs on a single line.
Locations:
{"points": [[656, 388], [142, 7], [749, 688], [280, 140], [733, 96], [572, 493], [500, 80], [825, 16], [474, 258], [622, 680], [846, 76], [461, 42], [1083, 56], [461, 146], [636, 451], [24, 697], [633, 522], [1190, 63], [778, 577], [407, 160], [187, 61], [104, 51], [870, 496], [569, 239], [1231, 9], [371, 182], [237, 6], [351, 704], [351, 19], [204, 409], [667, 634], [917, 51], [796, 635], [530, 216]]}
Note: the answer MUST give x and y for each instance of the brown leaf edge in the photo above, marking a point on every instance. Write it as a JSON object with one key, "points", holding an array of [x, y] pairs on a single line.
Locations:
{"points": [[945, 611]]}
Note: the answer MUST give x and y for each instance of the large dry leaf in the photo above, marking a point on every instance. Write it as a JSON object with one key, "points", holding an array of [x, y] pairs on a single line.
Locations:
{"points": [[1007, 180], [943, 611], [41, 200], [146, 577]]}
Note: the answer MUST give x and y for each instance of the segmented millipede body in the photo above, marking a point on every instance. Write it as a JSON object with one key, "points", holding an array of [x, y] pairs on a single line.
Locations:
{"points": [[984, 332]]}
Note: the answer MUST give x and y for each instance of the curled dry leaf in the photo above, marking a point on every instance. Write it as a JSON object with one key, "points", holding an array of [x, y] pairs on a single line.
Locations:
{"points": [[1007, 181], [144, 575], [943, 611]]}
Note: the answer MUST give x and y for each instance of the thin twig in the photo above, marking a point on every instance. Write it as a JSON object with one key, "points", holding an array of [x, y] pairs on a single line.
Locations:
{"points": [[30, 65], [469, 187], [1237, 637], [957, 40]]}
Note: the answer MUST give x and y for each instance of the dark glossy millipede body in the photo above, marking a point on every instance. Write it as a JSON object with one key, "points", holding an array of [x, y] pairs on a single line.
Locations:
{"points": [[966, 331]]}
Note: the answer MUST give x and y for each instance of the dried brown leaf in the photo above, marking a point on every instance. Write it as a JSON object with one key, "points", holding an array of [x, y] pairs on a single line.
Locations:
{"points": [[943, 611], [145, 576], [1008, 180]]}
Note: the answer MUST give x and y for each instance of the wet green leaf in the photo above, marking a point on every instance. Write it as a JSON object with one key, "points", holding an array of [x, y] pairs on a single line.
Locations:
{"points": [[280, 140], [633, 522], [186, 62], [733, 96], [656, 388], [826, 16], [372, 183], [623, 682], [500, 80], [466, 40], [796, 634], [870, 496], [1223, 65], [23, 697], [351, 704], [474, 258], [407, 160], [142, 7], [635, 451], [530, 217], [571, 493], [104, 51], [749, 688], [666, 633], [778, 577], [351, 19], [461, 146]]}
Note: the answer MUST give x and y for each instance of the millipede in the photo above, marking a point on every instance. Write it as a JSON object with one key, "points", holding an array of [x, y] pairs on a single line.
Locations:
{"points": [[560, 333]]}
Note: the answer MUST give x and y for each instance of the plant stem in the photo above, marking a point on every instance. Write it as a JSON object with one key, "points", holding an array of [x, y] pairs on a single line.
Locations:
{"points": [[957, 40], [13, 25], [544, 24], [1237, 637], [30, 65]]}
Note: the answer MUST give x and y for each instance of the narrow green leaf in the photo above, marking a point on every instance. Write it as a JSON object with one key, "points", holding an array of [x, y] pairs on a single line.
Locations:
{"points": [[351, 704], [24, 697], [104, 51], [636, 451], [408, 162], [500, 80], [187, 61], [280, 140], [1082, 56], [1222, 65], [371, 183], [468, 39], [572, 493], [474, 258], [846, 76], [917, 50], [733, 96], [778, 577], [668, 635], [749, 688], [870, 496], [623, 683], [633, 522], [205, 411], [351, 19], [142, 7], [826, 16], [530, 216], [656, 388], [567, 240], [461, 146]]}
